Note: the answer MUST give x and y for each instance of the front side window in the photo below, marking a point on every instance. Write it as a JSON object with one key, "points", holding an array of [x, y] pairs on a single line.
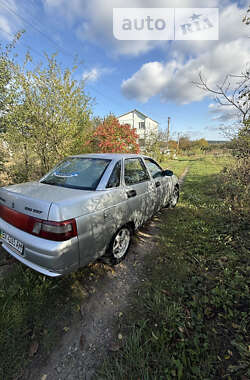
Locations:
{"points": [[135, 171], [154, 168], [115, 178], [78, 173]]}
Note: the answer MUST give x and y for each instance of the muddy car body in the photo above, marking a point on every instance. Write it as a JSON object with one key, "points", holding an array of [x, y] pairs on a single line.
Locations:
{"points": [[83, 209]]}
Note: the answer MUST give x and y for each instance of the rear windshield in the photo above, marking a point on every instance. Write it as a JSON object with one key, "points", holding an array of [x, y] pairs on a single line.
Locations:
{"points": [[78, 173]]}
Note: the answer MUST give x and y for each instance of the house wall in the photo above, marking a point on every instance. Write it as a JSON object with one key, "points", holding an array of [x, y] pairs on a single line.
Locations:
{"points": [[134, 118]]}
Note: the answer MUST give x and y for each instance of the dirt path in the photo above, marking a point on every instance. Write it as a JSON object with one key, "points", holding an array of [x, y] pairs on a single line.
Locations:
{"points": [[96, 331], [183, 175]]}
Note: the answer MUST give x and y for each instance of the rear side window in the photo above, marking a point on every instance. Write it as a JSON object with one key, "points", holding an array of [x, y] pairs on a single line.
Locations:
{"points": [[115, 178], [135, 171]]}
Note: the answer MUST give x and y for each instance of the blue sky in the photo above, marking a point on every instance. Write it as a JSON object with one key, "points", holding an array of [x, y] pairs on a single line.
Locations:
{"points": [[154, 77]]}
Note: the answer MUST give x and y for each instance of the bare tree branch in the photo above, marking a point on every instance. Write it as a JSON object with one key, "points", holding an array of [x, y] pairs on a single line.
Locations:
{"points": [[227, 95]]}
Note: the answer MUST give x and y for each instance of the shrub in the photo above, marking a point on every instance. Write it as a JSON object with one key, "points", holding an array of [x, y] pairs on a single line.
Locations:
{"points": [[112, 137]]}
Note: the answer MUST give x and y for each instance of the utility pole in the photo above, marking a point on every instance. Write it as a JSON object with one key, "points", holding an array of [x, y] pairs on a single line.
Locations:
{"points": [[178, 143], [168, 131]]}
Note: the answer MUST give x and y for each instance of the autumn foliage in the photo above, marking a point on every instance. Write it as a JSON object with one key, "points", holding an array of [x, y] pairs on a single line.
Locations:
{"points": [[112, 137]]}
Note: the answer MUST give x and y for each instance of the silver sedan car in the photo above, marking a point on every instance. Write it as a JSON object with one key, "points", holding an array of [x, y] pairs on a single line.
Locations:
{"points": [[86, 207]]}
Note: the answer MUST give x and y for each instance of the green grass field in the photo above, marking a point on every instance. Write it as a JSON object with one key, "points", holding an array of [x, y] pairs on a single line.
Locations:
{"points": [[191, 320]]}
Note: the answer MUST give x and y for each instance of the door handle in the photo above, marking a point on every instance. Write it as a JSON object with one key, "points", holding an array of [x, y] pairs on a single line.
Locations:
{"points": [[157, 184], [131, 193]]}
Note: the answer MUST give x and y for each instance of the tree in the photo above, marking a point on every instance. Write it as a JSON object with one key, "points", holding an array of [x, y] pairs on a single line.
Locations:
{"points": [[234, 90], [185, 143], [172, 145], [235, 95], [51, 115], [246, 18], [6, 97], [112, 137], [6, 71], [152, 145], [200, 144]]}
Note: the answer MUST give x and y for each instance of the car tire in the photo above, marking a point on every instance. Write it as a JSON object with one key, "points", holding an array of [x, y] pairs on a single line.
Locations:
{"points": [[174, 198], [119, 245]]}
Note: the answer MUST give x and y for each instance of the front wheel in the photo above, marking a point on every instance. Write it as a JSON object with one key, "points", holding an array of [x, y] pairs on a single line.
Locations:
{"points": [[174, 197], [119, 245]]}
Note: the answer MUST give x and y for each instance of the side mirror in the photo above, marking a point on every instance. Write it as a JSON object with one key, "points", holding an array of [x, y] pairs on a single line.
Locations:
{"points": [[167, 172]]}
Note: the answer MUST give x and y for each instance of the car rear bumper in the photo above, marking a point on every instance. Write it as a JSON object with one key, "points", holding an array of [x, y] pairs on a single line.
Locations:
{"points": [[50, 258]]}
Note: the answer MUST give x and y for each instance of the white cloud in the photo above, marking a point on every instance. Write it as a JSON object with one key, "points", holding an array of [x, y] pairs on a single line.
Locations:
{"points": [[95, 73], [71, 11], [147, 82], [173, 80], [10, 23], [5, 28], [93, 20], [91, 75], [170, 79], [223, 114]]}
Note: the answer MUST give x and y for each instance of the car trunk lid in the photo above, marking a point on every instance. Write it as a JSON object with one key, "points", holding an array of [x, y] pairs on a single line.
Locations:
{"points": [[26, 199], [36, 199]]}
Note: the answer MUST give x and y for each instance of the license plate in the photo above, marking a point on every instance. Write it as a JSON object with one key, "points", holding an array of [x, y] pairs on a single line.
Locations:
{"points": [[11, 241]]}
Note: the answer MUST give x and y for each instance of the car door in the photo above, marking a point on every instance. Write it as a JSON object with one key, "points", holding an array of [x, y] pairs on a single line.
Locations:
{"points": [[156, 173], [161, 182], [137, 183]]}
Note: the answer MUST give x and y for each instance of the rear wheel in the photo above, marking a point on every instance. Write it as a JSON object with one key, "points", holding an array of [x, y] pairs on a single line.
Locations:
{"points": [[119, 245], [174, 197]]}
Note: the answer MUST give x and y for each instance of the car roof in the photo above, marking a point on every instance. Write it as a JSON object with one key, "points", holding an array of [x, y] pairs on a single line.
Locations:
{"points": [[109, 156]]}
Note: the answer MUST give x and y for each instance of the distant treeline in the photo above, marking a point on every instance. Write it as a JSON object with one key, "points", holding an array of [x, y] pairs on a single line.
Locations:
{"points": [[217, 141]]}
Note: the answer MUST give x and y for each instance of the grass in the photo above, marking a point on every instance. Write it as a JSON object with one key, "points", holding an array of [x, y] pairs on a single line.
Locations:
{"points": [[178, 166], [29, 305], [35, 311], [191, 319]]}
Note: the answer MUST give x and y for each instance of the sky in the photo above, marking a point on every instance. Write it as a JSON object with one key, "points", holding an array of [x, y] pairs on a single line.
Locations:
{"points": [[154, 76]]}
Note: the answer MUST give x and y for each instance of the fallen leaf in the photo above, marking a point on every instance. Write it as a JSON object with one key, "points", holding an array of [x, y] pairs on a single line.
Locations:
{"points": [[44, 377], [66, 328], [33, 348]]}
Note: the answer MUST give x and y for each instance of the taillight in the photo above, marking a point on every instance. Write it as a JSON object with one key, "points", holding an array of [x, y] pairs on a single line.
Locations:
{"points": [[57, 231]]}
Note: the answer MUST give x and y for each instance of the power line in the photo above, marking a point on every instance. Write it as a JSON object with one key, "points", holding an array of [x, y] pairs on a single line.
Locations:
{"points": [[36, 28], [61, 50], [37, 52], [27, 46]]}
